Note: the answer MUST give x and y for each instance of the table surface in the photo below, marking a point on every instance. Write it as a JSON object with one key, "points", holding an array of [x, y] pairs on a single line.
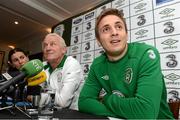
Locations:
{"points": [[61, 114]]}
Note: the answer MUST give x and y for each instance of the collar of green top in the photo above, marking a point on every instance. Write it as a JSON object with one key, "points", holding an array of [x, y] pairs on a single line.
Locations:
{"points": [[61, 64]]}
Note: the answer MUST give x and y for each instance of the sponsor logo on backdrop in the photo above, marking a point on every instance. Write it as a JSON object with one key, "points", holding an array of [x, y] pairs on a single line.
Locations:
{"points": [[141, 21], [60, 29], [88, 27], [140, 7], [162, 1], [76, 39], [103, 8], [119, 3], [77, 21], [170, 44], [172, 63], [76, 28], [87, 57], [173, 96], [88, 35], [86, 68], [167, 12], [87, 46], [169, 27], [141, 33], [74, 56], [89, 16], [75, 49], [172, 76]]}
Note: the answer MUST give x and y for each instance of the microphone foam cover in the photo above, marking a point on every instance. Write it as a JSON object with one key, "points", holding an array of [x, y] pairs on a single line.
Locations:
{"points": [[37, 79], [32, 67]]}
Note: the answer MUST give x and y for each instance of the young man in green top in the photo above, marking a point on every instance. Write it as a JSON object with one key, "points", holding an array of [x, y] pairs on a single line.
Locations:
{"points": [[128, 73]]}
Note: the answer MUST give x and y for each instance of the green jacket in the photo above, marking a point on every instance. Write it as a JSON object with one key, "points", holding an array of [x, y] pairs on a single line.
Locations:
{"points": [[134, 86]]}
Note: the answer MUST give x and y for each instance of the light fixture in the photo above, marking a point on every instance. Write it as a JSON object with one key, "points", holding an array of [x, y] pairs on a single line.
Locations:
{"points": [[11, 46], [48, 30], [16, 22]]}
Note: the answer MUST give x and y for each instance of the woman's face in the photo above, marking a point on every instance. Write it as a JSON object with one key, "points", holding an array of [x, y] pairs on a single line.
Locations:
{"points": [[19, 59]]}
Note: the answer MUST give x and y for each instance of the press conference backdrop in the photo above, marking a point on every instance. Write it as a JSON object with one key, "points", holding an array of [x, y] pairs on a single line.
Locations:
{"points": [[154, 22]]}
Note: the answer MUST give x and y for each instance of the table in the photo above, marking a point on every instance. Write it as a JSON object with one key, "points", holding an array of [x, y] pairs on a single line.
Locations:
{"points": [[61, 114]]}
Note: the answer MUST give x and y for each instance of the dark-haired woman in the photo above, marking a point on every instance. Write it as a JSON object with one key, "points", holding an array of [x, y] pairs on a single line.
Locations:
{"points": [[16, 59]]}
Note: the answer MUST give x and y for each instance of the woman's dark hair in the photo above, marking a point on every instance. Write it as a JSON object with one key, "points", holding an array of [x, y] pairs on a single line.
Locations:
{"points": [[11, 52]]}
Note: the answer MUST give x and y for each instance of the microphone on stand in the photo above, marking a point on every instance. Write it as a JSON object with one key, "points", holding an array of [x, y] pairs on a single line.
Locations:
{"points": [[37, 79], [29, 69]]}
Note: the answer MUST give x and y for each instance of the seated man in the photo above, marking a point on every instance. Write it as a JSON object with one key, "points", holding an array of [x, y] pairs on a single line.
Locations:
{"points": [[65, 76], [129, 74]]}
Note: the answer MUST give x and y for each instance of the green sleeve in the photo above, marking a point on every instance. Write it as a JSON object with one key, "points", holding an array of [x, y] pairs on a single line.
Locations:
{"points": [[88, 100], [147, 96]]}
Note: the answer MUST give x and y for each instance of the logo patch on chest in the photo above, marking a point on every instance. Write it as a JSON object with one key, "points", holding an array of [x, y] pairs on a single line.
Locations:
{"points": [[59, 77], [128, 75]]}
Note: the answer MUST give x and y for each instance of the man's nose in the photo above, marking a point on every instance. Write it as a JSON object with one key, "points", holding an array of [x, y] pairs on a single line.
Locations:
{"points": [[48, 47], [114, 31]]}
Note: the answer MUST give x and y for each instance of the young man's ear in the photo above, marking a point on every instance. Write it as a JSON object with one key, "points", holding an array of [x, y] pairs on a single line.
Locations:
{"points": [[99, 44]]}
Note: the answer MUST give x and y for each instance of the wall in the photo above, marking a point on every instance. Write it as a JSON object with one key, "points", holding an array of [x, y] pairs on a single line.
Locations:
{"points": [[31, 44], [154, 22], [4, 47]]}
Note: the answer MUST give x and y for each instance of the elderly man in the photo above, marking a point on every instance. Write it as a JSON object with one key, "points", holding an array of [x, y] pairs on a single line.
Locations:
{"points": [[64, 73]]}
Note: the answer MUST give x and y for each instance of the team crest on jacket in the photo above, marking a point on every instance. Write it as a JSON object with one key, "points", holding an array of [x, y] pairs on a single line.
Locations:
{"points": [[128, 75], [59, 77]]}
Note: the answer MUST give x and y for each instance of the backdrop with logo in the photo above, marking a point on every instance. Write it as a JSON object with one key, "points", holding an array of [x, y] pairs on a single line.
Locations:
{"points": [[154, 22]]}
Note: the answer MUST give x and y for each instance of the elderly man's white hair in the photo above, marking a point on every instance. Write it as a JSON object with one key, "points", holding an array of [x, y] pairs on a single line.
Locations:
{"points": [[58, 37]]}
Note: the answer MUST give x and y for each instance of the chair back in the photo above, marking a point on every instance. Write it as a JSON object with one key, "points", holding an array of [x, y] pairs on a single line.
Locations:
{"points": [[174, 107]]}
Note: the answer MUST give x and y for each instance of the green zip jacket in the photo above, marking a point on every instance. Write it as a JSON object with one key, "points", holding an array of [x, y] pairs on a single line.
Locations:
{"points": [[134, 86]]}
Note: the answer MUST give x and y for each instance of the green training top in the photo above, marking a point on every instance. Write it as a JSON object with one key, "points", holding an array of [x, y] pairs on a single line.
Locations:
{"points": [[134, 86]]}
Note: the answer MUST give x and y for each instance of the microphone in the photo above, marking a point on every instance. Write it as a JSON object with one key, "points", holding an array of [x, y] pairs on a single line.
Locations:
{"points": [[37, 79], [32, 67], [29, 69]]}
